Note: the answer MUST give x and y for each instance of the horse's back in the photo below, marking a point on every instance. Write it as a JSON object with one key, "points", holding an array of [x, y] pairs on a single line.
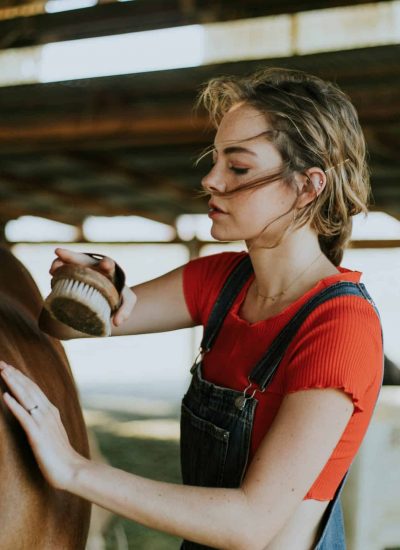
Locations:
{"points": [[34, 515]]}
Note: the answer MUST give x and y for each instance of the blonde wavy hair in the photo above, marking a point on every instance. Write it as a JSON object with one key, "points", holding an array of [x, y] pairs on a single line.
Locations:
{"points": [[314, 124]]}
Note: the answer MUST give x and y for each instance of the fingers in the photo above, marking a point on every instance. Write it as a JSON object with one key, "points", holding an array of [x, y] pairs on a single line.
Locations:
{"points": [[55, 265], [22, 415], [65, 256], [70, 257], [24, 389], [107, 266], [128, 302]]}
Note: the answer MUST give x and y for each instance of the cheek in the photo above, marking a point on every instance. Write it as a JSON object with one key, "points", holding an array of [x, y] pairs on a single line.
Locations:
{"points": [[260, 204], [263, 206]]}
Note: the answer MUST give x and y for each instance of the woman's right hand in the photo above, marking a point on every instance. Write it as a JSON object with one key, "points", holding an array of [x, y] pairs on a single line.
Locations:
{"points": [[159, 304], [106, 266]]}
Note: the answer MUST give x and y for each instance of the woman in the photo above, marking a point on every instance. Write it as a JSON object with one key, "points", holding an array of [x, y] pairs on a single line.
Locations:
{"points": [[291, 360]]}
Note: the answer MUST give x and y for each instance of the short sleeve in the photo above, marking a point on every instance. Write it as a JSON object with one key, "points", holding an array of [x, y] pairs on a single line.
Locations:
{"points": [[203, 279], [338, 346]]}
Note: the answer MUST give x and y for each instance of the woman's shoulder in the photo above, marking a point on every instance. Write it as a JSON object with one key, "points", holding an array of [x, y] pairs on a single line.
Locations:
{"points": [[348, 302], [338, 345], [344, 314], [203, 278], [215, 266]]}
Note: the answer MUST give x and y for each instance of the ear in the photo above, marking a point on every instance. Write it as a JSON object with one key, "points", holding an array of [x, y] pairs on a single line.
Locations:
{"points": [[311, 184]]}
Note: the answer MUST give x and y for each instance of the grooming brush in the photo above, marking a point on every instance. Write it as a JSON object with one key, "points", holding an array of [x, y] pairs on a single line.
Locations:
{"points": [[85, 299]]}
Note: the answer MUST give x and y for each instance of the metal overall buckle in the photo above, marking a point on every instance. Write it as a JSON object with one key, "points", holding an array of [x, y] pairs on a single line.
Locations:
{"points": [[241, 400], [201, 354]]}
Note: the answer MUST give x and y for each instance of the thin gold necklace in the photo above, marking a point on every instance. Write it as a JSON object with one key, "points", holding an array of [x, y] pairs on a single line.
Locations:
{"points": [[276, 296]]}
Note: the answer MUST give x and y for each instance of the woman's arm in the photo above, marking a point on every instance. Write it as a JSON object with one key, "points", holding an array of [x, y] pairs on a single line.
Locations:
{"points": [[154, 306], [305, 432], [160, 306]]}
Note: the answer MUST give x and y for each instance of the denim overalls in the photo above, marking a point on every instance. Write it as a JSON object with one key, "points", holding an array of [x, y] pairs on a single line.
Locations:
{"points": [[216, 422]]}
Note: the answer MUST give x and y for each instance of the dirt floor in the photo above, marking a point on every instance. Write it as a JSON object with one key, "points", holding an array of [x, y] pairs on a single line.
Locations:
{"points": [[146, 445]]}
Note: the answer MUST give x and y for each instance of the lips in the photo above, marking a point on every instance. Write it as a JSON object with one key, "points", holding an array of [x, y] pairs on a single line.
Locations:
{"points": [[213, 207]]}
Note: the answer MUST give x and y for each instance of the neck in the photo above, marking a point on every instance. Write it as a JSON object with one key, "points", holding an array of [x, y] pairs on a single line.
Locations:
{"points": [[292, 266]]}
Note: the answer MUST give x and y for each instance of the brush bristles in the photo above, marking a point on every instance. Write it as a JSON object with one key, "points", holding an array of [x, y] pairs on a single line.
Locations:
{"points": [[80, 306]]}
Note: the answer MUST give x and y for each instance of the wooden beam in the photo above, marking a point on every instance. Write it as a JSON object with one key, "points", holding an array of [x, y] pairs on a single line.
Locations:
{"points": [[143, 181], [177, 126], [160, 126], [378, 243]]}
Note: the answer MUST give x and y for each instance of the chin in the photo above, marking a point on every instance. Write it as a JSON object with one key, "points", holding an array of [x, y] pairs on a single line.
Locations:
{"points": [[225, 236]]}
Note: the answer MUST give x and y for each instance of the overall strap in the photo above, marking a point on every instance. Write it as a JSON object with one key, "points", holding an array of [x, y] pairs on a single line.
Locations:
{"points": [[266, 367], [233, 285]]}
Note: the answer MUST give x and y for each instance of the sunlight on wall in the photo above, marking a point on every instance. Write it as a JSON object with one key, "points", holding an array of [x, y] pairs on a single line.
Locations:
{"points": [[35, 229], [191, 226], [381, 275], [126, 228], [375, 226]]}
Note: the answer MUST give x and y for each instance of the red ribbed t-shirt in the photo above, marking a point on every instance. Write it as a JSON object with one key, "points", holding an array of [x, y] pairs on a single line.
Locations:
{"points": [[338, 346]]}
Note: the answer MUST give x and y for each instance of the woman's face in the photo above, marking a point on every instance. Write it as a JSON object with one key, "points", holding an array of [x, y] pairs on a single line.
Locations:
{"points": [[236, 161]]}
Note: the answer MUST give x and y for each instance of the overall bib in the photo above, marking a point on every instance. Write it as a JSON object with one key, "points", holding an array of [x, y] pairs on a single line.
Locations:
{"points": [[216, 422]]}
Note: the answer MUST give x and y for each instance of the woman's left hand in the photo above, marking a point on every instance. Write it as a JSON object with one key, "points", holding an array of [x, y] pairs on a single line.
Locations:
{"points": [[41, 421]]}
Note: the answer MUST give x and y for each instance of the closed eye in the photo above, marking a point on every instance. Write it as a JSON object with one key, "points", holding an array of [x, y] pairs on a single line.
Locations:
{"points": [[238, 170]]}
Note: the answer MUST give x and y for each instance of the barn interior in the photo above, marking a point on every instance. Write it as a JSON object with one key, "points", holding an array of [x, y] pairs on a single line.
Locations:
{"points": [[98, 133], [125, 144]]}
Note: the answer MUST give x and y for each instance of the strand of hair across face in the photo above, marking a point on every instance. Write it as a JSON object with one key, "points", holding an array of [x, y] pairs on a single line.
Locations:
{"points": [[265, 180], [273, 221], [248, 186]]}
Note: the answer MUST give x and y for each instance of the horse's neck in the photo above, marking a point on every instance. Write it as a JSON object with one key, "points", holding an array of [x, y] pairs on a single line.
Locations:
{"points": [[17, 283], [46, 519]]}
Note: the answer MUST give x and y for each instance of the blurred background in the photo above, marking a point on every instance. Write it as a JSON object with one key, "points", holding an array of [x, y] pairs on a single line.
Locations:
{"points": [[98, 141]]}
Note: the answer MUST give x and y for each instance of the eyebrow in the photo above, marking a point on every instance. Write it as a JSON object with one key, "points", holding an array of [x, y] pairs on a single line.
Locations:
{"points": [[237, 149]]}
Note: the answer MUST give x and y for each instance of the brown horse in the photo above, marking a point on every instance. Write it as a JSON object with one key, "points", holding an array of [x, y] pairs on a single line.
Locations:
{"points": [[33, 515]]}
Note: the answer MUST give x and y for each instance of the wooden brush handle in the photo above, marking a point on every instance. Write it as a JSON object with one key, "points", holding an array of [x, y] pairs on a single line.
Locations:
{"points": [[119, 275]]}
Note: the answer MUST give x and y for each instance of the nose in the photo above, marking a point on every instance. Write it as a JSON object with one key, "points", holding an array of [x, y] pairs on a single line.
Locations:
{"points": [[214, 181]]}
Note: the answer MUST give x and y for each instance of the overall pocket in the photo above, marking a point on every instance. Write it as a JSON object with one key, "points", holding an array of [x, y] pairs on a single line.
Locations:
{"points": [[204, 449]]}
